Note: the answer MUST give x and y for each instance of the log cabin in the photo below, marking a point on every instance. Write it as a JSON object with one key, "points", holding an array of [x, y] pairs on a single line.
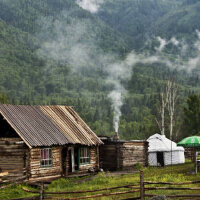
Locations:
{"points": [[122, 154], [46, 141]]}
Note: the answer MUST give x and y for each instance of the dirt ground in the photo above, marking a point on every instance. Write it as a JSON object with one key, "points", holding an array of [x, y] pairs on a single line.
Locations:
{"points": [[110, 173]]}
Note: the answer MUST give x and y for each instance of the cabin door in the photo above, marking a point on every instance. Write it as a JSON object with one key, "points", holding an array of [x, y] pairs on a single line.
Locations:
{"points": [[74, 159]]}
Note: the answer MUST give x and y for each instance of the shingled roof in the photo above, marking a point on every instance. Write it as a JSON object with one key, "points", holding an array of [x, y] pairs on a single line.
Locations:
{"points": [[48, 125]]}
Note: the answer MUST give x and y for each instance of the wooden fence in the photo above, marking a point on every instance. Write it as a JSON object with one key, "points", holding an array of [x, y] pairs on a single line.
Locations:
{"points": [[42, 192], [140, 189], [144, 189]]}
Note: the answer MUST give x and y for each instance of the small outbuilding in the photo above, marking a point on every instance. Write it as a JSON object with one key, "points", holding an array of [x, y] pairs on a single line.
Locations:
{"points": [[122, 154], [162, 151]]}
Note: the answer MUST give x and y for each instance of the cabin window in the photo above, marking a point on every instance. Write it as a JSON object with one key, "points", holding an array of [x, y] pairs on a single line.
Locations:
{"points": [[84, 155], [46, 157]]}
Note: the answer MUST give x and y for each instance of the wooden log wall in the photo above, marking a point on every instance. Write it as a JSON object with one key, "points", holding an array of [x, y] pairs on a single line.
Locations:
{"points": [[190, 153], [37, 172], [123, 154], [94, 160], [12, 155], [132, 153], [61, 163], [108, 156]]}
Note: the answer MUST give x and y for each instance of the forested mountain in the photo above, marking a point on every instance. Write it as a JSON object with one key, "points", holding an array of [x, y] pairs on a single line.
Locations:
{"points": [[146, 18], [135, 18], [57, 52]]}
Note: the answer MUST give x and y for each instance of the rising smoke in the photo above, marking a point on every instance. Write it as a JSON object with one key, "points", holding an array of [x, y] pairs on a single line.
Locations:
{"points": [[70, 44], [122, 71]]}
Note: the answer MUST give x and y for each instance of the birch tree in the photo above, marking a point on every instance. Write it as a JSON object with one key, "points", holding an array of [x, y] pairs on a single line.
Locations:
{"points": [[167, 100], [172, 90], [163, 99]]}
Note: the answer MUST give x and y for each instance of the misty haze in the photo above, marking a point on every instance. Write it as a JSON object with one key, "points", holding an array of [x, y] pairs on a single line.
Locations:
{"points": [[125, 67]]}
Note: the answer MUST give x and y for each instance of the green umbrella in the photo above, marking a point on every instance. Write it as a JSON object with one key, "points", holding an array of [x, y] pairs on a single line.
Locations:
{"points": [[193, 141]]}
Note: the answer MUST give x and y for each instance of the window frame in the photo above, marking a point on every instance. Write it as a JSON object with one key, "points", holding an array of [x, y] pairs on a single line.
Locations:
{"points": [[49, 158], [85, 159]]}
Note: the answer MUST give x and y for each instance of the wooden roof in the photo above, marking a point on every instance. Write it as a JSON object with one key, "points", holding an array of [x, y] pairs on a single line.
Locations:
{"points": [[48, 125]]}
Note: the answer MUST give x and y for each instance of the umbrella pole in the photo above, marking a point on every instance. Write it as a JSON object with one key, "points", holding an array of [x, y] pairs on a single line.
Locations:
{"points": [[194, 155], [196, 162]]}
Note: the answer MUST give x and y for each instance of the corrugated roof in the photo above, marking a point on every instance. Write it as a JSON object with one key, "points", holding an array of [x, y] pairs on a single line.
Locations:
{"points": [[48, 125], [76, 130]]}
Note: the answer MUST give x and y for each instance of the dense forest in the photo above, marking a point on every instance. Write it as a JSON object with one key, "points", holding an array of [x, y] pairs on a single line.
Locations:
{"points": [[110, 63]]}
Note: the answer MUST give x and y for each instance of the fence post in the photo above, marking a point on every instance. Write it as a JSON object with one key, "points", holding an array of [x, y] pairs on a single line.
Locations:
{"points": [[142, 185], [42, 191]]}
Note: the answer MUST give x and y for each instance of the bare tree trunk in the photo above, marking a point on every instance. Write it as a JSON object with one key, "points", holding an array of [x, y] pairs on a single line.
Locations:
{"points": [[163, 115], [159, 126], [168, 99], [171, 126], [161, 109], [172, 97]]}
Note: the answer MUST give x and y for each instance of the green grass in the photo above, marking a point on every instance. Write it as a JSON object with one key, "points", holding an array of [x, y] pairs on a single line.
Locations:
{"points": [[177, 174]]}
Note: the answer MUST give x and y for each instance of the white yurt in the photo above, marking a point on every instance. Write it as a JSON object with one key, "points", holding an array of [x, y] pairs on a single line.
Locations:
{"points": [[163, 151]]}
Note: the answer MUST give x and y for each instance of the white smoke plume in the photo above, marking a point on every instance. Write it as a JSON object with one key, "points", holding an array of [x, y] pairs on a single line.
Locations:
{"points": [[90, 5], [117, 100], [70, 44], [122, 71], [118, 72]]}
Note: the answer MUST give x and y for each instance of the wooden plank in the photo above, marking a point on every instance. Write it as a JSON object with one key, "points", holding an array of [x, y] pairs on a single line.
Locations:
{"points": [[37, 171], [3, 174]]}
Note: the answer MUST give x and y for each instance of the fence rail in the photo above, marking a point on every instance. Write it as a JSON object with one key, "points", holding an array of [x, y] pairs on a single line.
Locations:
{"points": [[140, 189], [132, 186], [143, 189], [170, 183]]}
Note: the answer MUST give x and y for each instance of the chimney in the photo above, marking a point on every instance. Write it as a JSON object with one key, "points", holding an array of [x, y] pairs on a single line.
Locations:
{"points": [[116, 136]]}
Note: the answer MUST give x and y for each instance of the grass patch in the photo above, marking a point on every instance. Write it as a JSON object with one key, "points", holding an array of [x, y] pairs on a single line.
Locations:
{"points": [[176, 174]]}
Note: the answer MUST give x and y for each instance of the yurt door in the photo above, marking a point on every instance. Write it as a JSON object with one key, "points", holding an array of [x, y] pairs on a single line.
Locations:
{"points": [[160, 159]]}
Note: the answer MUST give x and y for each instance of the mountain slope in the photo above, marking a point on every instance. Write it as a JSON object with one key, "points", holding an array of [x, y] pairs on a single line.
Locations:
{"points": [[54, 52], [17, 59], [180, 23], [147, 18], [29, 16], [132, 17], [27, 26]]}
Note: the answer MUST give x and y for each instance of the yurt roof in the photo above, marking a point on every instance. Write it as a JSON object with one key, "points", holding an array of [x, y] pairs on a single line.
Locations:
{"points": [[159, 143]]}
